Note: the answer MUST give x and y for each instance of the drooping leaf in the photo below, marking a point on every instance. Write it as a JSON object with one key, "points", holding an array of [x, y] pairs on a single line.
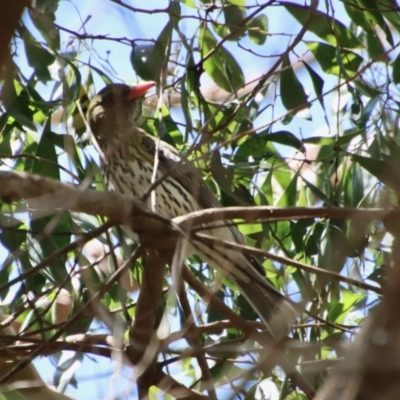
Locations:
{"points": [[292, 91], [38, 57], [374, 45], [384, 171], [171, 133], [44, 22], [396, 70], [286, 138], [386, 9], [373, 15], [175, 12], [46, 162], [221, 65], [318, 84]]}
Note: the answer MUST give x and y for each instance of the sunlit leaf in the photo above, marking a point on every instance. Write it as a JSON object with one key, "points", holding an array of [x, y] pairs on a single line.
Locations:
{"points": [[327, 57]]}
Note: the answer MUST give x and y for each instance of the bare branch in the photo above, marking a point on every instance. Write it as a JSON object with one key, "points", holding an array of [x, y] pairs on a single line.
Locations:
{"points": [[270, 213]]}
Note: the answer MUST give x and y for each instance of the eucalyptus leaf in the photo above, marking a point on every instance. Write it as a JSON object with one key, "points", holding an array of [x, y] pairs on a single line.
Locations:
{"points": [[324, 26], [292, 91], [327, 57], [220, 65]]}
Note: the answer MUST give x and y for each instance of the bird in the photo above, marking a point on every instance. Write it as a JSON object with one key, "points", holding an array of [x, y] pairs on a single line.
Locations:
{"points": [[127, 164]]}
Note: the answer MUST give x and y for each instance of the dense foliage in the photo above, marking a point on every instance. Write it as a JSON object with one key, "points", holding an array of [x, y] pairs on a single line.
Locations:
{"points": [[278, 103]]}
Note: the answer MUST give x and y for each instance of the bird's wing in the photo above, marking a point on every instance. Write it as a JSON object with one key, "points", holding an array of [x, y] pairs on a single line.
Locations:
{"points": [[186, 174], [171, 162]]}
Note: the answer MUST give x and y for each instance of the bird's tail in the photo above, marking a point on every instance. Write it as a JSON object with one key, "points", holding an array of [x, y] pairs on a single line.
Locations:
{"points": [[276, 311]]}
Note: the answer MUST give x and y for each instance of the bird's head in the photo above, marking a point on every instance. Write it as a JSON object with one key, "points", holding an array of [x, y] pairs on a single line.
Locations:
{"points": [[115, 108]]}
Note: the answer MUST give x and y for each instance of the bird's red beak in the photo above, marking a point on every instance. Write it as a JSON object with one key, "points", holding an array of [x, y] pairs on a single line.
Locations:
{"points": [[139, 90]]}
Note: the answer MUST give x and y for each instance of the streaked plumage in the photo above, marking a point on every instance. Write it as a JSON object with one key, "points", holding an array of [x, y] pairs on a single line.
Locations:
{"points": [[129, 154]]}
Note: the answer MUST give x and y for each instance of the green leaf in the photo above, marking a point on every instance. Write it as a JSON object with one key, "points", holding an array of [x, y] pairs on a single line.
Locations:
{"points": [[13, 239], [47, 6], [190, 3], [357, 236], [12, 395], [374, 45], [368, 109], [393, 147], [333, 248], [38, 57], [66, 143], [170, 128], [148, 60], [386, 10], [292, 91], [46, 152], [5, 138], [102, 75], [326, 56], [221, 65], [212, 314], [396, 70], [373, 15], [316, 192], [324, 26], [175, 13], [349, 136], [359, 17], [286, 138], [44, 22], [17, 105], [246, 311], [219, 173], [142, 61], [384, 171], [340, 310], [289, 196], [254, 146], [234, 17], [258, 29], [185, 107], [318, 84], [160, 56], [240, 3], [365, 89], [72, 86]]}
